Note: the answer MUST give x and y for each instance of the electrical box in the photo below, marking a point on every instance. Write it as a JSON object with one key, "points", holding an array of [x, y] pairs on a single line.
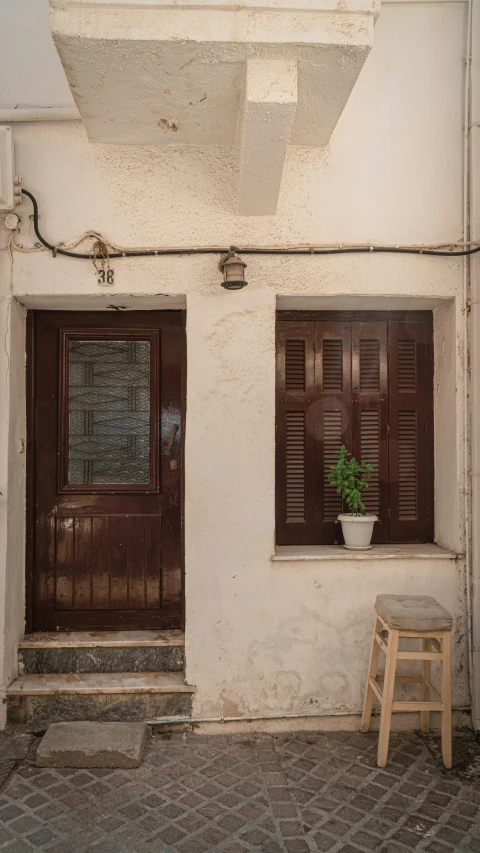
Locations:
{"points": [[8, 195]]}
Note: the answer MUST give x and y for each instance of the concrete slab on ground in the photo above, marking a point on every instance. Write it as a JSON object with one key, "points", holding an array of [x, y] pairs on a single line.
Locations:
{"points": [[93, 745]]}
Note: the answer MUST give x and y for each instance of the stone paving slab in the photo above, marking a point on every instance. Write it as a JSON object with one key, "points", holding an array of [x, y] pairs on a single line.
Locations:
{"points": [[289, 793], [92, 745], [12, 750]]}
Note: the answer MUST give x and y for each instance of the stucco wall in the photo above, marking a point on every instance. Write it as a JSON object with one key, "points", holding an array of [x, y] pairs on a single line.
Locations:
{"points": [[261, 636], [265, 636], [40, 82]]}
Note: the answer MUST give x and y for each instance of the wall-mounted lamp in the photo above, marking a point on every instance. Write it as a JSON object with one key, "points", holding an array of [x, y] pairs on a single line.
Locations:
{"points": [[233, 269]]}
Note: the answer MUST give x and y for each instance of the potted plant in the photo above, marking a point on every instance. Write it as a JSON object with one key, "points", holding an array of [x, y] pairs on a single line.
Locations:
{"points": [[350, 479]]}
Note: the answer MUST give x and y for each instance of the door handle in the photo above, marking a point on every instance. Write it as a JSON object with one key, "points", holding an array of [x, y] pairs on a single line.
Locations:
{"points": [[171, 440]]}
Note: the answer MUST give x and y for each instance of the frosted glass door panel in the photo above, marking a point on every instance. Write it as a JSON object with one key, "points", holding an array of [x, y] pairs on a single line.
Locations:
{"points": [[109, 412]]}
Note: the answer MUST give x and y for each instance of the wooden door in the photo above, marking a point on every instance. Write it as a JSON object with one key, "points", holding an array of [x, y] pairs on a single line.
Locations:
{"points": [[106, 458]]}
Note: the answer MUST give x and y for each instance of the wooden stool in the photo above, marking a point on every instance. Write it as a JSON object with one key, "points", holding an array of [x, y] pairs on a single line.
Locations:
{"points": [[420, 617]]}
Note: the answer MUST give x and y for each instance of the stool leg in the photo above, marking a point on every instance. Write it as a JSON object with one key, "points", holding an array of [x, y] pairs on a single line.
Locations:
{"points": [[446, 692], [388, 685], [426, 673], [372, 673]]}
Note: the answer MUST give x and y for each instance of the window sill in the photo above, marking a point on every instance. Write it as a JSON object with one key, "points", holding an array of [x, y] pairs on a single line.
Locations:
{"points": [[309, 553]]}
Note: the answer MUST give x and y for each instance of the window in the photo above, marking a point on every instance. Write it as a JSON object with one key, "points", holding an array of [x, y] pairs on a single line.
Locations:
{"points": [[364, 380], [109, 411]]}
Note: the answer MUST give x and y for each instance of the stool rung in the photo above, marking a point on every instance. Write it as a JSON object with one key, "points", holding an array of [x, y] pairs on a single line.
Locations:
{"points": [[406, 655], [381, 642], [419, 656], [378, 693], [405, 679], [417, 706], [410, 679], [431, 686]]}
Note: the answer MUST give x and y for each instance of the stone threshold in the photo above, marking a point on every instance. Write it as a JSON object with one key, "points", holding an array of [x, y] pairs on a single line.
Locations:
{"points": [[101, 639], [95, 683], [299, 553]]}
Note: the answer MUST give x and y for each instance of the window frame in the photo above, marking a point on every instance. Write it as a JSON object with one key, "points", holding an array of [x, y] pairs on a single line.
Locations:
{"points": [[313, 532]]}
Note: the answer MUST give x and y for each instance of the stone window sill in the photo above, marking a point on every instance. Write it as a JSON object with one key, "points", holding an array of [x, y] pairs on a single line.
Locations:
{"points": [[318, 553]]}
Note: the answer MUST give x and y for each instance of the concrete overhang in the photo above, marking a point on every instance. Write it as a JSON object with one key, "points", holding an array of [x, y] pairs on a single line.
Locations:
{"points": [[257, 75]]}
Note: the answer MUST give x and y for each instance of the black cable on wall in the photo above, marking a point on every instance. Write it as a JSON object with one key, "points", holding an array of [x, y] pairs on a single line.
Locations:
{"points": [[346, 250]]}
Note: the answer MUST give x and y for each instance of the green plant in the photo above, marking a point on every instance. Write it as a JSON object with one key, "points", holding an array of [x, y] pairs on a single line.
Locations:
{"points": [[350, 478]]}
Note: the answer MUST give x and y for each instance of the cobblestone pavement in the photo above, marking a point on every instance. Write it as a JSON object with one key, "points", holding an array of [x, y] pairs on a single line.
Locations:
{"points": [[289, 793]]}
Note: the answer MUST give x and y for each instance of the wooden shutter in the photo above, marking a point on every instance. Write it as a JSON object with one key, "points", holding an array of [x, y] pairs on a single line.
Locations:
{"points": [[411, 430], [333, 419], [295, 440], [370, 415]]}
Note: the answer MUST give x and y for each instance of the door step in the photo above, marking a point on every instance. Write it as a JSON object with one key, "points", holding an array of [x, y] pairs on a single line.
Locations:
{"points": [[35, 701], [116, 676], [98, 682], [102, 651]]}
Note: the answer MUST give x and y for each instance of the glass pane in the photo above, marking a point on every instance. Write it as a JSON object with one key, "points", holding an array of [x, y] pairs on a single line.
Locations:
{"points": [[109, 412]]}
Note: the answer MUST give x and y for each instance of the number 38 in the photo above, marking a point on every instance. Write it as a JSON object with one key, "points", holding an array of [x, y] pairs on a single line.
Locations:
{"points": [[105, 277]]}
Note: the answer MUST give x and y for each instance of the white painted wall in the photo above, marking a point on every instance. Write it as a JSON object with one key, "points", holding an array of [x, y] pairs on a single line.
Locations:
{"points": [[262, 636], [25, 32], [12, 478]]}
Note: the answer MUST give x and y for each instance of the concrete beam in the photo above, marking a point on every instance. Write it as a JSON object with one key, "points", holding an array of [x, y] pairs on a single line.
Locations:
{"points": [[173, 71], [270, 103]]}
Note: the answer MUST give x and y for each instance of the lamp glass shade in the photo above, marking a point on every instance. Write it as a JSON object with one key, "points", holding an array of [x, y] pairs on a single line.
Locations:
{"points": [[233, 272]]}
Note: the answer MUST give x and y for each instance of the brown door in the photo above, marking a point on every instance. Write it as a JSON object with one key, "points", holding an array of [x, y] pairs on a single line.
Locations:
{"points": [[106, 447]]}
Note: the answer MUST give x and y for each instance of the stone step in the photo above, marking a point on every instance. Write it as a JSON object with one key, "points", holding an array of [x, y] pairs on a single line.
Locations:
{"points": [[102, 651], [35, 701]]}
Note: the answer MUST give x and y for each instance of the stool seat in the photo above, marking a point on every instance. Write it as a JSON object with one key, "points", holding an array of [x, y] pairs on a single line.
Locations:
{"points": [[413, 613]]}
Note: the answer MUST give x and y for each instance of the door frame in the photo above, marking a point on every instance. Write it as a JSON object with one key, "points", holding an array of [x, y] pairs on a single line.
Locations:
{"points": [[30, 460]]}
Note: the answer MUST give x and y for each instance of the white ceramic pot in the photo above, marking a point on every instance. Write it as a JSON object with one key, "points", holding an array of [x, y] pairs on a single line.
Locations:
{"points": [[357, 531]]}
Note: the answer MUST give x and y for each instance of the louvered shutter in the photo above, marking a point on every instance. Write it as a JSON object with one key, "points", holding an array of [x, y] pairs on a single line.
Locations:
{"points": [[333, 421], [295, 440], [370, 415], [411, 431]]}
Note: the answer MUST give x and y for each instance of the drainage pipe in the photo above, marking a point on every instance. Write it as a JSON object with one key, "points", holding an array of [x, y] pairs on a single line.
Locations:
{"points": [[474, 190], [163, 721], [252, 718], [40, 114], [467, 344]]}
